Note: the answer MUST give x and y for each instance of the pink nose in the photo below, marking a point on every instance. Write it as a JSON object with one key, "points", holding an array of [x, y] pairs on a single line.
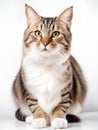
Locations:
{"points": [[45, 44], [45, 41]]}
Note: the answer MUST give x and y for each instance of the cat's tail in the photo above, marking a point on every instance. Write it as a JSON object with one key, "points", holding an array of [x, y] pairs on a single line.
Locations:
{"points": [[19, 115], [72, 118]]}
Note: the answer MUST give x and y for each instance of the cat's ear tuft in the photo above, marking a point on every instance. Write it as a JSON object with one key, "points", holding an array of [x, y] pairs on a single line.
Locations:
{"points": [[66, 15], [31, 14]]}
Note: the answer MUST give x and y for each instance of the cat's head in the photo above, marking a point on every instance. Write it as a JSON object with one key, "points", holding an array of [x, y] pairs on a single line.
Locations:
{"points": [[47, 37]]}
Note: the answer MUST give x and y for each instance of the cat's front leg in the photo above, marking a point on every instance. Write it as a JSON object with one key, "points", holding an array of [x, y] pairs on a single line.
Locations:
{"points": [[58, 116], [38, 116], [58, 120]]}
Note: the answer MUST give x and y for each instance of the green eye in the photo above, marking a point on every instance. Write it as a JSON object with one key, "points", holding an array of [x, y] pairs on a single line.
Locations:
{"points": [[37, 33], [55, 34]]}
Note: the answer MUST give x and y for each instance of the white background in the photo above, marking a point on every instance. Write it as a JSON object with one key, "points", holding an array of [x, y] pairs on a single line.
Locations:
{"points": [[84, 43]]}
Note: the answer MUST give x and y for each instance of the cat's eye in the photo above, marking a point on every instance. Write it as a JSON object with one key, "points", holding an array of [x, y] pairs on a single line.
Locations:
{"points": [[38, 33], [55, 34]]}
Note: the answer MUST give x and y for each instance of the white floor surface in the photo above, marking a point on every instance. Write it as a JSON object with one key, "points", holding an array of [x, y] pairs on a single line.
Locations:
{"points": [[89, 122]]}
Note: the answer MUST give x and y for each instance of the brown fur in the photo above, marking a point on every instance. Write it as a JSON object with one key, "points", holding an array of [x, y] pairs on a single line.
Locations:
{"points": [[75, 91]]}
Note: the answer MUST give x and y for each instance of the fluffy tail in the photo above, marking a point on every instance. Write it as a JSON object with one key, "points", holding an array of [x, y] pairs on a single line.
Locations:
{"points": [[72, 118], [19, 115]]}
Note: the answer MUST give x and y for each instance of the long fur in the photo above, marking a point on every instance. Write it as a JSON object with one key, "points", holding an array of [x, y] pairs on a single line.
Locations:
{"points": [[50, 87]]}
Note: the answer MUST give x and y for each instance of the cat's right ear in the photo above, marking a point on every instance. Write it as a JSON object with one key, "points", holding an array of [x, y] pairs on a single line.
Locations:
{"points": [[31, 14], [66, 15]]}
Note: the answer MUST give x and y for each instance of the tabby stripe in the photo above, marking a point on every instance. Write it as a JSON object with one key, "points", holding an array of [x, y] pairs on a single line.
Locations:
{"points": [[31, 102], [48, 22], [41, 26], [65, 97], [19, 115], [29, 42], [66, 46], [51, 25], [30, 105], [66, 38], [65, 94], [28, 36], [64, 108], [70, 84], [44, 21], [31, 99], [34, 109], [66, 102]]}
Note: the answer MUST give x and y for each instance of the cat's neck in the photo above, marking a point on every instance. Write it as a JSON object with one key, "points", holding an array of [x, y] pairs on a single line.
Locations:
{"points": [[54, 60]]}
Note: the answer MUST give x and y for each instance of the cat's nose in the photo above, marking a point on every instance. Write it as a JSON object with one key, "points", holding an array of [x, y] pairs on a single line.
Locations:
{"points": [[45, 41], [45, 44]]}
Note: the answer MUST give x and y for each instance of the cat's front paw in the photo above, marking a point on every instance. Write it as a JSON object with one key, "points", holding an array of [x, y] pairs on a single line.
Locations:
{"points": [[59, 123], [39, 123], [29, 119]]}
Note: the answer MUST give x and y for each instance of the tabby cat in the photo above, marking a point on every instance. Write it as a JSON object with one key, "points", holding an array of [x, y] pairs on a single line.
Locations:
{"points": [[50, 88]]}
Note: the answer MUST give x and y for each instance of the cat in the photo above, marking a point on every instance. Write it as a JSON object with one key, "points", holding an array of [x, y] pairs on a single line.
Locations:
{"points": [[50, 88]]}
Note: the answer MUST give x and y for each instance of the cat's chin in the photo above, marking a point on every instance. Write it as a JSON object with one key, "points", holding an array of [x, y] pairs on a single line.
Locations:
{"points": [[46, 54]]}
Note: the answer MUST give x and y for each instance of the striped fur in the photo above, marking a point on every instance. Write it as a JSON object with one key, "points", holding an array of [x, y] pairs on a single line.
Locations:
{"points": [[50, 87]]}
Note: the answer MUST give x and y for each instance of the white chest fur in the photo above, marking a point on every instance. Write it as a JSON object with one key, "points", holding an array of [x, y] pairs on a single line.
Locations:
{"points": [[45, 83]]}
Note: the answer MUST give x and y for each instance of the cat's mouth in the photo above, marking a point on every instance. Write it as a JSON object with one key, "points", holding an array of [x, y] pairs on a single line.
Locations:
{"points": [[45, 50]]}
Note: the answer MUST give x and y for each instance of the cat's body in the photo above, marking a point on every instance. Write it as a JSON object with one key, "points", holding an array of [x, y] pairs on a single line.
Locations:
{"points": [[50, 82]]}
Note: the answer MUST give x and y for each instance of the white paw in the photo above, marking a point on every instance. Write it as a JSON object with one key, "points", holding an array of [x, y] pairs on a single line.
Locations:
{"points": [[29, 119], [39, 123], [59, 123]]}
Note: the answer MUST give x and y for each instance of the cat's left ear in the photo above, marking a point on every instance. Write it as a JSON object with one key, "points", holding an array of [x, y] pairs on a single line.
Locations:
{"points": [[66, 15], [31, 14]]}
